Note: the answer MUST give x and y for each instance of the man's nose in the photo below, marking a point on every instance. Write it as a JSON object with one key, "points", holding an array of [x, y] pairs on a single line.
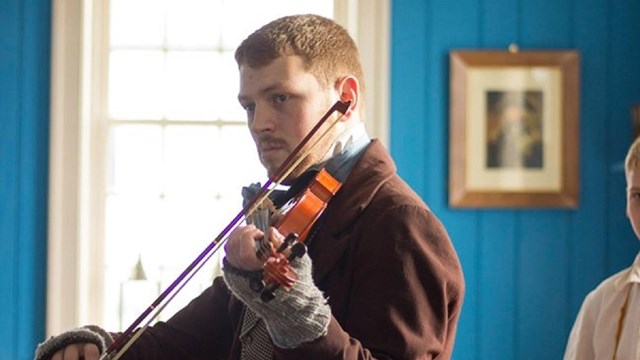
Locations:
{"points": [[263, 120]]}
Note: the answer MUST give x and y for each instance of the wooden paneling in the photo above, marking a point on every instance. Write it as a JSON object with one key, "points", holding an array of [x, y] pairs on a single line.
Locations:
{"points": [[24, 143], [527, 270], [9, 169]]}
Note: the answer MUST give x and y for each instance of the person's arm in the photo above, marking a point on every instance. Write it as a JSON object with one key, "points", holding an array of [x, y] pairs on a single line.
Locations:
{"points": [[197, 331], [580, 342], [86, 342], [405, 295], [293, 316]]}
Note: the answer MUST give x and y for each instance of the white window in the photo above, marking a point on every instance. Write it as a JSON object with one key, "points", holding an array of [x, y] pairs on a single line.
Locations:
{"points": [[149, 146]]}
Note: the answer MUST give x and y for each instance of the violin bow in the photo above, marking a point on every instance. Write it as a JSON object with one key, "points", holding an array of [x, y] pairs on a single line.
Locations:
{"points": [[130, 335]]}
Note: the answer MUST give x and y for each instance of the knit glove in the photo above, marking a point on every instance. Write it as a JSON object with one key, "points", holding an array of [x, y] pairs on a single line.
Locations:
{"points": [[294, 316], [88, 334]]}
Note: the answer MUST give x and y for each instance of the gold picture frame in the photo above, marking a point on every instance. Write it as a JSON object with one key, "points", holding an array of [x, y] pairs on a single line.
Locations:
{"points": [[514, 132]]}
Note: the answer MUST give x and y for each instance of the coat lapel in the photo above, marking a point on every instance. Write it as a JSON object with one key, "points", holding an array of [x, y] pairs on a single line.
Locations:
{"points": [[370, 172]]}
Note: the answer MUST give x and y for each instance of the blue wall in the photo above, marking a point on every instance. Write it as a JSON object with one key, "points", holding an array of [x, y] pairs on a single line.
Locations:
{"points": [[24, 147], [526, 270]]}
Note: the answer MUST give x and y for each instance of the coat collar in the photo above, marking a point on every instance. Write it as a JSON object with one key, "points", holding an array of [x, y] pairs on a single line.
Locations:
{"points": [[370, 172]]}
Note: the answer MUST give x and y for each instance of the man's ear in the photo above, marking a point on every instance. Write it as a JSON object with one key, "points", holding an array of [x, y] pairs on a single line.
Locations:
{"points": [[348, 89]]}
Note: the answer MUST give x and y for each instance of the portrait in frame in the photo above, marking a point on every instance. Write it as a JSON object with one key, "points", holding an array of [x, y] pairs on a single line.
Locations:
{"points": [[514, 132]]}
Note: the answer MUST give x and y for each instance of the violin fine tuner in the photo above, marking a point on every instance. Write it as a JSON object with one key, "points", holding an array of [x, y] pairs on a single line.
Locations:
{"points": [[297, 250], [257, 284], [277, 271]]}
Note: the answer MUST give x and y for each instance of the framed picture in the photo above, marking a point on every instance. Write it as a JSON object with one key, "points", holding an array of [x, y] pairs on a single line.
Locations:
{"points": [[514, 129]]}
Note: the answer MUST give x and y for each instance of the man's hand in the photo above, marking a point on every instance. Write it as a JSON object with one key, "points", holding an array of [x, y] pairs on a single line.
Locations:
{"points": [[77, 351], [241, 246]]}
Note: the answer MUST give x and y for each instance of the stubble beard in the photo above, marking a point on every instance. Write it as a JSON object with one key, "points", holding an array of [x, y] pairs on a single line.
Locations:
{"points": [[314, 158]]}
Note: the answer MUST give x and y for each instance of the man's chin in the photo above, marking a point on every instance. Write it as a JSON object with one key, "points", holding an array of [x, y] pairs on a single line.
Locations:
{"points": [[291, 176], [271, 169]]}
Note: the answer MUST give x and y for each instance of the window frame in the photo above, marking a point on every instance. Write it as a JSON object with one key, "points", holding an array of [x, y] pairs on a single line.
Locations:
{"points": [[78, 138]]}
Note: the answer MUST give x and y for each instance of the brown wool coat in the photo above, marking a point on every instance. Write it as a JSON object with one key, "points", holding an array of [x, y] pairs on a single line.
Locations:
{"points": [[386, 264]]}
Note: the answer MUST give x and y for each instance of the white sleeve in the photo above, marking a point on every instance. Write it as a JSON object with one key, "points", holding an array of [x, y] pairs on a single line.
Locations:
{"points": [[580, 343]]}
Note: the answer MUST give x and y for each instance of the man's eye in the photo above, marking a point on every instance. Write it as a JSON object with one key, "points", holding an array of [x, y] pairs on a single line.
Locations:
{"points": [[249, 107], [280, 98]]}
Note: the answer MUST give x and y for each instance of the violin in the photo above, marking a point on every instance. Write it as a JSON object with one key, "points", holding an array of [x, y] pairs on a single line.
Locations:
{"points": [[300, 214], [299, 223]]}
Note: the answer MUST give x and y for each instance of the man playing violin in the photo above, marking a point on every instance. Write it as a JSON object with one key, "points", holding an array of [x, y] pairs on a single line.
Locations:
{"points": [[379, 279]]}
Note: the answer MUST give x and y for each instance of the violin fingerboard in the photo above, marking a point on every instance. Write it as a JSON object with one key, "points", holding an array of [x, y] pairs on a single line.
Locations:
{"points": [[261, 217]]}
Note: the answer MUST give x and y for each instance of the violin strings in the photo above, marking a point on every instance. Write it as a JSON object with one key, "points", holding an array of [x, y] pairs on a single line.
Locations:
{"points": [[262, 220]]}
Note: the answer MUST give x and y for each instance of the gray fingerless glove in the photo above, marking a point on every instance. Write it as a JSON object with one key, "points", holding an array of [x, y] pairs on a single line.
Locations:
{"points": [[293, 317], [87, 334]]}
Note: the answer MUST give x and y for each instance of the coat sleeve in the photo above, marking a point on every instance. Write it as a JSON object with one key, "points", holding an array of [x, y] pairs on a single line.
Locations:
{"points": [[405, 293]]}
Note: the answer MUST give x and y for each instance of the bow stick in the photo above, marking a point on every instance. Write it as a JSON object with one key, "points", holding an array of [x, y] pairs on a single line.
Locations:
{"points": [[128, 337]]}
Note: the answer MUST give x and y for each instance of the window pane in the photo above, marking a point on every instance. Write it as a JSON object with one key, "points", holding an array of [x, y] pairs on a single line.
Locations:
{"points": [[227, 91], [167, 233], [135, 84], [253, 14], [189, 224], [193, 81], [137, 22], [242, 159], [194, 23], [190, 160], [175, 181], [131, 229], [135, 159]]}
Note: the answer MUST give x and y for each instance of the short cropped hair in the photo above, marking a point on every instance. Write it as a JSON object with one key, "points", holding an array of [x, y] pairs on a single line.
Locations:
{"points": [[633, 157], [327, 49]]}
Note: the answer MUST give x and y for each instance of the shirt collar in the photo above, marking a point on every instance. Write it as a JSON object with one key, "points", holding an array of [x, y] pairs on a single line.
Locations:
{"points": [[630, 275], [351, 145], [346, 153]]}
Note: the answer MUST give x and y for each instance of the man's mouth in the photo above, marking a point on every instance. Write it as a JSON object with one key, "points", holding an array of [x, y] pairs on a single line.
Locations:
{"points": [[269, 146]]}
